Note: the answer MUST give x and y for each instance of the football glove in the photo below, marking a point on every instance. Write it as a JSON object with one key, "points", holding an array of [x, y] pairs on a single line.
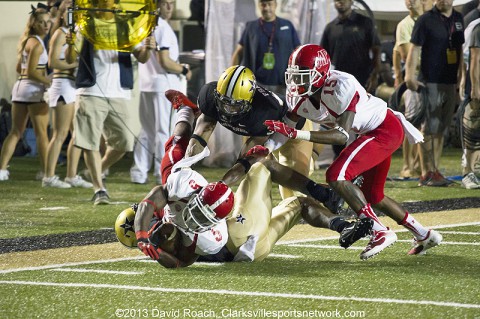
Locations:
{"points": [[146, 247], [257, 151], [282, 128]]}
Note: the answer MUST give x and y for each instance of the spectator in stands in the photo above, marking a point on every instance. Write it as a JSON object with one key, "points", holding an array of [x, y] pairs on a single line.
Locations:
{"points": [[471, 114], [102, 96], [160, 73], [265, 46], [61, 99], [441, 56], [27, 93], [412, 99]]}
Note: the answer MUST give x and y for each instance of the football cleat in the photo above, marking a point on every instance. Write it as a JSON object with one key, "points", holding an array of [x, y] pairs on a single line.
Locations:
{"points": [[420, 247], [379, 240], [178, 99], [355, 231]]}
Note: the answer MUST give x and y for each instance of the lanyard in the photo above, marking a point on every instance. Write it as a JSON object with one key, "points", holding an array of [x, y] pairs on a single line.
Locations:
{"points": [[449, 23], [272, 33]]}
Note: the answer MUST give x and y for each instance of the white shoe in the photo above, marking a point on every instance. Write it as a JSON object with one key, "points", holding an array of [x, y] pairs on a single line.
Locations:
{"points": [[138, 178], [433, 239], [54, 181], [379, 240], [246, 252], [471, 181], [78, 181], [4, 174]]}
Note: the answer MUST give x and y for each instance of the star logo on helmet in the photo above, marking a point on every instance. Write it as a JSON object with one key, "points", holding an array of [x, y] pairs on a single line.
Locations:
{"points": [[240, 219], [253, 85], [127, 226]]}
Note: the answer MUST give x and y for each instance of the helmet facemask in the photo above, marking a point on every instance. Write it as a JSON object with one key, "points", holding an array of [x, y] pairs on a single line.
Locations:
{"points": [[302, 82], [230, 107], [200, 216]]}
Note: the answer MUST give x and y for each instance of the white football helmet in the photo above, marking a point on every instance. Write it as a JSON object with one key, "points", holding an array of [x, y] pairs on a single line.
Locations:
{"points": [[207, 208]]}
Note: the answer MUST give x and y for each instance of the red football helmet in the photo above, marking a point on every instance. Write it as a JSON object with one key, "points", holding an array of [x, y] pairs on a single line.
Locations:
{"points": [[207, 208], [308, 68]]}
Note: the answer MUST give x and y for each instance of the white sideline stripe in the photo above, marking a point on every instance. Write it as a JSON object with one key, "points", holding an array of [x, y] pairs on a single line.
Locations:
{"points": [[80, 263], [244, 293], [99, 271], [445, 243], [289, 242], [460, 232]]}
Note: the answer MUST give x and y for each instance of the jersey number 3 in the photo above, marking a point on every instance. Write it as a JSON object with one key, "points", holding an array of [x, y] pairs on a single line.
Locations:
{"points": [[217, 235]]}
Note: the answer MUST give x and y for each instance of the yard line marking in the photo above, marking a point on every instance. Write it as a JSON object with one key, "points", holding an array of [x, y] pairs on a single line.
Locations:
{"points": [[80, 263], [289, 242], [444, 242], [203, 263], [283, 256], [245, 293], [460, 232], [54, 208], [99, 271], [324, 246]]}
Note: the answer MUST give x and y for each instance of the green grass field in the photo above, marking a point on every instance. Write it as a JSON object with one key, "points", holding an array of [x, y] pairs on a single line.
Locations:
{"points": [[307, 276]]}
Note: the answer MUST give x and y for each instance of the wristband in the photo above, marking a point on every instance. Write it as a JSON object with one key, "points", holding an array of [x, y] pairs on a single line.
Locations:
{"points": [[184, 70], [141, 234], [303, 135], [200, 140], [342, 130], [245, 163]]}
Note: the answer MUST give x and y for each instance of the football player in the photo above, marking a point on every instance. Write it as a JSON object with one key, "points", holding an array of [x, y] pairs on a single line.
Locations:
{"points": [[314, 91], [254, 226], [198, 209], [240, 105]]}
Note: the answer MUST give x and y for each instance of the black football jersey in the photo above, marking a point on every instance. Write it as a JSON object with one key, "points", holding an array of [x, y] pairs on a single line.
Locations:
{"points": [[265, 106]]}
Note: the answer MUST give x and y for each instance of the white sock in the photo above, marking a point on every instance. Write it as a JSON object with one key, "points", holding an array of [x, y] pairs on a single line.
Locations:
{"points": [[414, 227]]}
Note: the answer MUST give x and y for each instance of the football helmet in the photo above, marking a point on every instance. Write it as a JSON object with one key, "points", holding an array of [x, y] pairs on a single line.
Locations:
{"points": [[308, 69], [207, 208], [235, 90], [124, 229]]}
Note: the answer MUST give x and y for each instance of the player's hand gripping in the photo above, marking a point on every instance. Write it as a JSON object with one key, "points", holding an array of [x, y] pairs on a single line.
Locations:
{"points": [[146, 247], [282, 128], [257, 151]]}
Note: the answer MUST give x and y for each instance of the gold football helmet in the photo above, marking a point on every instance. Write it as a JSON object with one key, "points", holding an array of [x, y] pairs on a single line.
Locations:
{"points": [[235, 90], [124, 229]]}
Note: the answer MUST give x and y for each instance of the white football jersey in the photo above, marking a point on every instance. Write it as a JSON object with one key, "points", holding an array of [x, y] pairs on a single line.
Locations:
{"points": [[337, 94], [181, 185]]}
